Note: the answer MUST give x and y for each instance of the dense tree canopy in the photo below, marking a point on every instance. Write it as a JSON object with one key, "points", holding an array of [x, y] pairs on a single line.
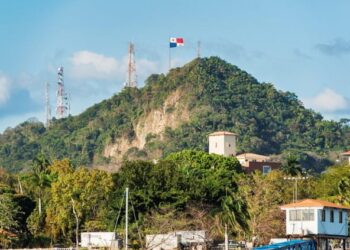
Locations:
{"points": [[217, 95]]}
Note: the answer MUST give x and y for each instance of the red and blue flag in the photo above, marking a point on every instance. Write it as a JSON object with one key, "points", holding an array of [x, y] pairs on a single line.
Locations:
{"points": [[176, 42]]}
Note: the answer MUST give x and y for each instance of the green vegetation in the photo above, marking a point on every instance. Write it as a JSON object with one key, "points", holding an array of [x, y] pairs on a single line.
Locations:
{"points": [[218, 96], [187, 190]]}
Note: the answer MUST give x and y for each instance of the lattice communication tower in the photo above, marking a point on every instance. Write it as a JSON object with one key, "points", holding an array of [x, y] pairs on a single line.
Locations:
{"points": [[62, 97], [131, 77]]}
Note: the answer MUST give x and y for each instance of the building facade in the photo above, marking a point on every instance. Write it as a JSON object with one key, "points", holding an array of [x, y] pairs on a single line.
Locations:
{"points": [[222, 143], [316, 217]]}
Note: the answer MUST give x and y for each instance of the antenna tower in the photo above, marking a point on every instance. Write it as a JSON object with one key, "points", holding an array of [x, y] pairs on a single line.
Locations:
{"points": [[62, 98], [47, 106], [131, 78]]}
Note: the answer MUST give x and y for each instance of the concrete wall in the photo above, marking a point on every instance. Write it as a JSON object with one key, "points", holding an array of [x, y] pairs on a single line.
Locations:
{"points": [[163, 241], [222, 145], [97, 239]]}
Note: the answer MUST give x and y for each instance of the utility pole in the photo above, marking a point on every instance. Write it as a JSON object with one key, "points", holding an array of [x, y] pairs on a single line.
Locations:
{"points": [[126, 217], [226, 238], [131, 77], [295, 188]]}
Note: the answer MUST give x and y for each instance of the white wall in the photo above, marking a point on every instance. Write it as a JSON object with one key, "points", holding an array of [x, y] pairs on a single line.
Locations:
{"points": [[163, 241], [301, 227], [97, 239], [222, 145], [317, 226]]}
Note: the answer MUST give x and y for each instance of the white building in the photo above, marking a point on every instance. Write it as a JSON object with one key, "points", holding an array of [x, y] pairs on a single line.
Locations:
{"points": [[174, 240], [222, 143], [99, 239], [316, 217], [346, 155]]}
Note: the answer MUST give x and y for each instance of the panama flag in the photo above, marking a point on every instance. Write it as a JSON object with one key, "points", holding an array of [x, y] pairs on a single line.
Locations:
{"points": [[176, 42]]}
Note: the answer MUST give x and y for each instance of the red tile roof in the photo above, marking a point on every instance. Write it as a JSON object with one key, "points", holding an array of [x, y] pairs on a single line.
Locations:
{"points": [[346, 153], [314, 203]]}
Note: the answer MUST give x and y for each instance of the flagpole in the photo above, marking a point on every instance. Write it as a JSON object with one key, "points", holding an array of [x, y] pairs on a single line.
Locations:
{"points": [[169, 55]]}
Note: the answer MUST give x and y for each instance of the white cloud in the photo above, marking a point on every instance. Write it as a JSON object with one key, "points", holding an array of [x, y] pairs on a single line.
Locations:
{"points": [[90, 65], [87, 65], [327, 101], [4, 88]]}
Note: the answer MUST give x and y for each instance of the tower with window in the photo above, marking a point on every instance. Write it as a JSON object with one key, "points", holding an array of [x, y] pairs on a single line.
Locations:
{"points": [[222, 143]]}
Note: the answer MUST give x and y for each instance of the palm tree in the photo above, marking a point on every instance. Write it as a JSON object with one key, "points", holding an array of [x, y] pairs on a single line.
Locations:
{"points": [[40, 177]]}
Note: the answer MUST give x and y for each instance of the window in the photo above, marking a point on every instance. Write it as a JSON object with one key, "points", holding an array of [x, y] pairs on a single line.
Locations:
{"points": [[266, 169], [301, 215], [308, 215], [216, 144], [332, 215], [323, 217], [340, 216]]}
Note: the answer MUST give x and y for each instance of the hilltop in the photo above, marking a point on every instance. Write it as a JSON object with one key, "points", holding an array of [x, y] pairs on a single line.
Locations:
{"points": [[174, 112]]}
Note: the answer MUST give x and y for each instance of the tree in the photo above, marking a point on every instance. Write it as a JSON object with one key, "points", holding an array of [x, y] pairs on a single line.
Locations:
{"points": [[82, 192], [8, 222], [292, 166]]}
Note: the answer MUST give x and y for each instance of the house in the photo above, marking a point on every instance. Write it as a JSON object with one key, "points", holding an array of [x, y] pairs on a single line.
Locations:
{"points": [[175, 240], [222, 143], [346, 155], [316, 218], [252, 162]]}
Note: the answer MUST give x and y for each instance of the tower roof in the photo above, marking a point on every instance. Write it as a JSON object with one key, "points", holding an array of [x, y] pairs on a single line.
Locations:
{"points": [[347, 153], [222, 133], [313, 203]]}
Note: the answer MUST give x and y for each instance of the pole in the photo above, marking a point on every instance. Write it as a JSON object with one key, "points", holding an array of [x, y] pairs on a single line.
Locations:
{"points": [[169, 58], [126, 217], [296, 190], [226, 238]]}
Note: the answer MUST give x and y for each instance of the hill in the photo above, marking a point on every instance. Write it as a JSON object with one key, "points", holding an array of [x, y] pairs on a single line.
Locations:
{"points": [[177, 111]]}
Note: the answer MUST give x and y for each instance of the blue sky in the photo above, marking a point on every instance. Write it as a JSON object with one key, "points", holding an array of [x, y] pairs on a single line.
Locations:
{"points": [[299, 46]]}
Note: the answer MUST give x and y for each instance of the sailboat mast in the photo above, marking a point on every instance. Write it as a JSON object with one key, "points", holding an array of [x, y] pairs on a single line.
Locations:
{"points": [[126, 217]]}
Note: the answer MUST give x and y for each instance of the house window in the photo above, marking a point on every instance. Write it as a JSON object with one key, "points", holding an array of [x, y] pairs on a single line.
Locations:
{"points": [[308, 214], [266, 169], [301, 215], [216, 144], [332, 215], [340, 216], [323, 217]]}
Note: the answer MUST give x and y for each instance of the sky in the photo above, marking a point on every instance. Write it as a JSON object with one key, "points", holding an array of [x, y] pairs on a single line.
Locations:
{"points": [[299, 46]]}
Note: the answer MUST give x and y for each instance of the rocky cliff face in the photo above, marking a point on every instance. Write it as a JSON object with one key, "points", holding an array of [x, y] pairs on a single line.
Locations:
{"points": [[173, 113]]}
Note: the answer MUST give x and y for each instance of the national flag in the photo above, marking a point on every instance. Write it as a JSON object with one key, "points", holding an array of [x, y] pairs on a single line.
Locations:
{"points": [[176, 42]]}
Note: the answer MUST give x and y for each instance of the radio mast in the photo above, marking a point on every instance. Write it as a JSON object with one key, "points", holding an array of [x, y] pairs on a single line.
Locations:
{"points": [[131, 77], [62, 98]]}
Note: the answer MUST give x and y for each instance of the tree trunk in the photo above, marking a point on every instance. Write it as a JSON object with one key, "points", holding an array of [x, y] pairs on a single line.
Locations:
{"points": [[76, 227]]}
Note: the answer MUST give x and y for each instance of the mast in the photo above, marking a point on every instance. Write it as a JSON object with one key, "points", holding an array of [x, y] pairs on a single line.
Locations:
{"points": [[226, 238], [126, 217]]}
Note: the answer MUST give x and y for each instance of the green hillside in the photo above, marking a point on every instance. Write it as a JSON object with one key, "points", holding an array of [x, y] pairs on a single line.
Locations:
{"points": [[190, 102]]}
